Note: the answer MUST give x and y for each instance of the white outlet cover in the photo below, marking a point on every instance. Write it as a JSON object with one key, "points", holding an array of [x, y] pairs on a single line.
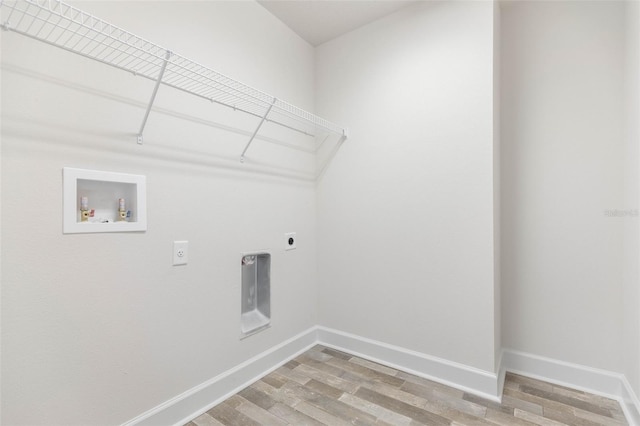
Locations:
{"points": [[290, 241], [180, 252]]}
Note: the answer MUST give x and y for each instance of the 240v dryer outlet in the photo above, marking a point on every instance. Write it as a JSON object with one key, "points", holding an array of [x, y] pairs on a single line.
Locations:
{"points": [[180, 252]]}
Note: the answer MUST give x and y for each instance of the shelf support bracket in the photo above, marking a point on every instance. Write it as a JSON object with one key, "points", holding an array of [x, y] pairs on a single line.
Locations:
{"points": [[343, 137], [153, 95], [264, 117]]}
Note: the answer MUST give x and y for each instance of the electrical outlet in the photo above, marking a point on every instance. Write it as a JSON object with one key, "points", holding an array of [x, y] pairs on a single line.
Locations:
{"points": [[290, 241], [180, 252]]}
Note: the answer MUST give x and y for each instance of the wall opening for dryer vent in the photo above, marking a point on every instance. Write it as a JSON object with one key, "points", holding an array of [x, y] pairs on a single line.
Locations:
{"points": [[256, 293]]}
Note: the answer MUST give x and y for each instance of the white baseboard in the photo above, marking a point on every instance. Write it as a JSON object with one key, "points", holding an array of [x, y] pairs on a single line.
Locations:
{"points": [[195, 401], [630, 403], [580, 377], [502, 373], [460, 376], [190, 404]]}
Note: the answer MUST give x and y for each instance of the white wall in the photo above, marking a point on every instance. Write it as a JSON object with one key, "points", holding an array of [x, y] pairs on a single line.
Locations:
{"points": [[405, 211], [562, 167], [97, 329], [631, 289]]}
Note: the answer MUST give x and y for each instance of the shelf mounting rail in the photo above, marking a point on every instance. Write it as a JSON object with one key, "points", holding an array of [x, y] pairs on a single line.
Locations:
{"points": [[62, 25]]}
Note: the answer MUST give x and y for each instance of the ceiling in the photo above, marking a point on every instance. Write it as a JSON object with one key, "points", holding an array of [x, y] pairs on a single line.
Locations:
{"points": [[318, 21]]}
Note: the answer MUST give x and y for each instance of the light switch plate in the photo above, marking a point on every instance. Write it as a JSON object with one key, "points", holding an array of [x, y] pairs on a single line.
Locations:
{"points": [[290, 241]]}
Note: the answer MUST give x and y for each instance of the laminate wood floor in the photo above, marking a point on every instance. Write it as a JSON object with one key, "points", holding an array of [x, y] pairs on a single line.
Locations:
{"points": [[327, 387]]}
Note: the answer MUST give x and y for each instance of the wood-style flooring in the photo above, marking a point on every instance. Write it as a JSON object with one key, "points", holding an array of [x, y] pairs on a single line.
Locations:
{"points": [[327, 387]]}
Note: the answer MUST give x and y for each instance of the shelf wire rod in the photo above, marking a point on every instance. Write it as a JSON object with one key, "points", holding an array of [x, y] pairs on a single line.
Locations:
{"points": [[149, 51], [77, 18], [134, 62], [84, 37], [230, 89], [100, 43], [148, 67], [34, 21], [104, 43], [221, 90], [220, 87], [227, 99], [206, 81], [221, 93], [112, 53], [255, 132], [153, 96], [223, 96], [125, 48], [189, 83], [176, 78], [173, 80], [92, 30], [203, 89], [129, 56], [109, 50], [57, 28], [53, 26], [39, 25], [42, 19], [70, 21]]}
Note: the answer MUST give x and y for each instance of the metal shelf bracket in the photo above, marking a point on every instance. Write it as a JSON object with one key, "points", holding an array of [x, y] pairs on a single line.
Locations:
{"points": [[264, 117], [153, 96], [334, 151]]}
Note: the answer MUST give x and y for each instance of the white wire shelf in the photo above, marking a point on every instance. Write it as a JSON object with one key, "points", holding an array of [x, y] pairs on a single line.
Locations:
{"points": [[59, 24]]}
